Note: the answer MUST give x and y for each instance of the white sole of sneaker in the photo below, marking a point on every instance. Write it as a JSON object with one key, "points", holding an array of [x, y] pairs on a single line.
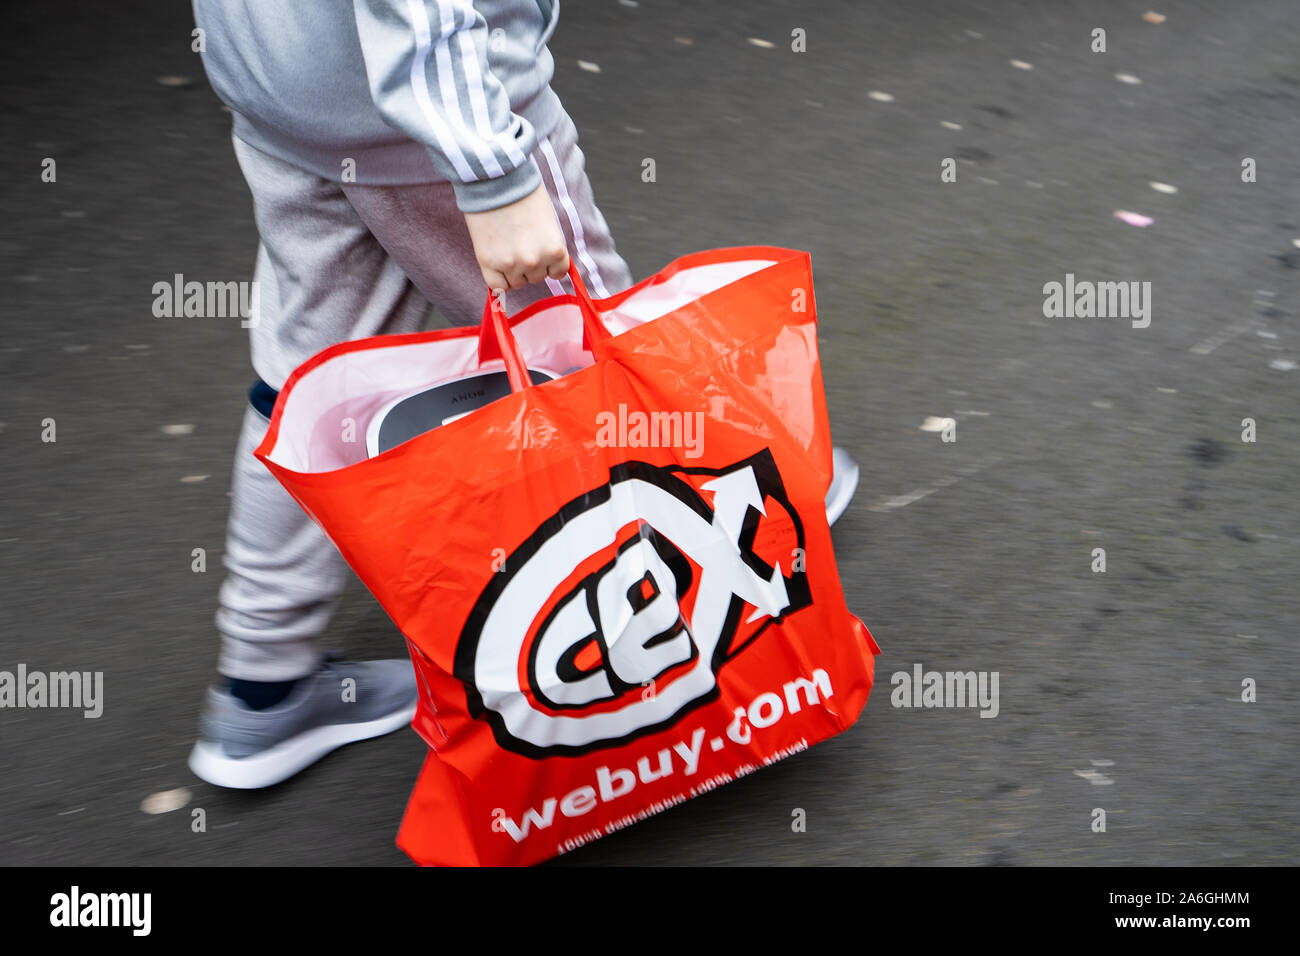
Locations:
{"points": [[282, 761], [836, 506]]}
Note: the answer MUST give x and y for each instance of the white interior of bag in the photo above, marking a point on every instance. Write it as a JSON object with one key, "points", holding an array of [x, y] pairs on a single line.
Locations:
{"points": [[323, 425]]}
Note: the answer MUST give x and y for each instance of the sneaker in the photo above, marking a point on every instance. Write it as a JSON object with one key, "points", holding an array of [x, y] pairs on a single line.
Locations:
{"points": [[247, 749], [844, 482]]}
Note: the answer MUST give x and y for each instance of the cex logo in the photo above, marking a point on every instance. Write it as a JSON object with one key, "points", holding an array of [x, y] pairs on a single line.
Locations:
{"points": [[614, 618]]}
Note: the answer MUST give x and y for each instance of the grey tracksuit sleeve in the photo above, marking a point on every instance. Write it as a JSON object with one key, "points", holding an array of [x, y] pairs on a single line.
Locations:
{"points": [[426, 62]]}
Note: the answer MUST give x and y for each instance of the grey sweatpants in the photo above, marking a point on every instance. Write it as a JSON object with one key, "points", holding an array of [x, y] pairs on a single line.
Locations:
{"points": [[339, 262]]}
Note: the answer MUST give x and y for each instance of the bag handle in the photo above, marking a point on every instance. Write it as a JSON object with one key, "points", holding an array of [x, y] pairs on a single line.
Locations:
{"points": [[497, 341]]}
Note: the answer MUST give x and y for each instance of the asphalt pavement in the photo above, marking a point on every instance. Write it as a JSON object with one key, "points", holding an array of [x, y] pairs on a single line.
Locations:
{"points": [[1120, 690]]}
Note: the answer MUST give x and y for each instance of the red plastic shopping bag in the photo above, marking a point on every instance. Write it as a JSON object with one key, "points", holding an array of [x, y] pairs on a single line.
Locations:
{"points": [[617, 587]]}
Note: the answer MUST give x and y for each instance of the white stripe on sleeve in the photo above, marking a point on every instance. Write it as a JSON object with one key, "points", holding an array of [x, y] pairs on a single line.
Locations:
{"points": [[447, 87], [420, 87], [478, 99]]}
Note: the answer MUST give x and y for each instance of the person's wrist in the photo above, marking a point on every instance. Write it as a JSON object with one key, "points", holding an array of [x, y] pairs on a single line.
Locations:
{"points": [[484, 195]]}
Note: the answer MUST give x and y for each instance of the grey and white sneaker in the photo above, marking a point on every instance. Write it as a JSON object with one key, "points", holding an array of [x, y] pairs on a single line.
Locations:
{"points": [[247, 749], [844, 482]]}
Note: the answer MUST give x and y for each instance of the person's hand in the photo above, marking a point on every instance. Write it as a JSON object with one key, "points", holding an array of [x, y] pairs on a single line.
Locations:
{"points": [[519, 243]]}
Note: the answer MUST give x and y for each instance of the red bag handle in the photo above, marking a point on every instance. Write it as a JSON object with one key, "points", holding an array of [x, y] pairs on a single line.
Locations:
{"points": [[497, 341]]}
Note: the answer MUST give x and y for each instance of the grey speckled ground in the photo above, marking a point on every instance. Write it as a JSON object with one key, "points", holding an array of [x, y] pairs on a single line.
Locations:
{"points": [[1072, 434]]}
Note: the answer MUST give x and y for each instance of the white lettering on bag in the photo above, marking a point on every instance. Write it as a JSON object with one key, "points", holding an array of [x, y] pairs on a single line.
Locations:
{"points": [[626, 615]]}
